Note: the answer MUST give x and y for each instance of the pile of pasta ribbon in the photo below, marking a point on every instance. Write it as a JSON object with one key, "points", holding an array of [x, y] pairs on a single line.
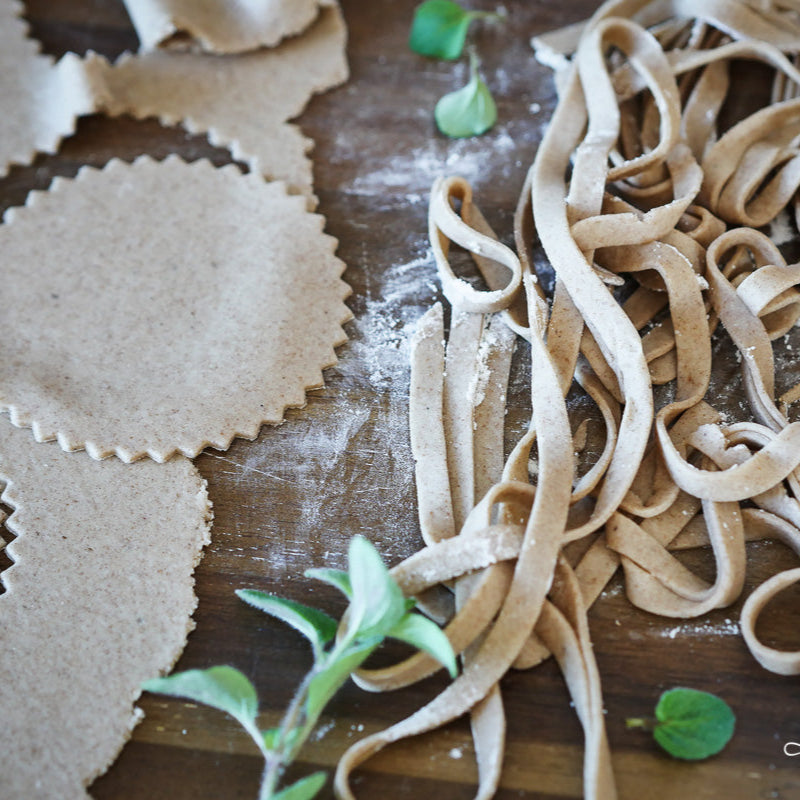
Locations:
{"points": [[637, 193]]}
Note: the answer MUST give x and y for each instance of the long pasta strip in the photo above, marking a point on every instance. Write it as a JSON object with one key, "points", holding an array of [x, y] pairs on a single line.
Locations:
{"points": [[637, 187]]}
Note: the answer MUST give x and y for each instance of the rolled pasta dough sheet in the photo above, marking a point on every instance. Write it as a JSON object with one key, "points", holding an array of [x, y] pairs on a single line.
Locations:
{"points": [[242, 102], [159, 307], [99, 598]]}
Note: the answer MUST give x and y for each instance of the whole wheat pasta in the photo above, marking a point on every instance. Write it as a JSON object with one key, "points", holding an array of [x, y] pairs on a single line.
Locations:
{"points": [[638, 188]]}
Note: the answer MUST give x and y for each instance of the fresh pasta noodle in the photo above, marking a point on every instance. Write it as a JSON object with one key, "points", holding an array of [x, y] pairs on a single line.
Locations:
{"points": [[645, 203]]}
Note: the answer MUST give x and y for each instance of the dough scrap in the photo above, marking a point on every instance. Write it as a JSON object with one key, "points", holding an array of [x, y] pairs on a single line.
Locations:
{"points": [[219, 26], [243, 102], [40, 99], [94, 542], [159, 307]]}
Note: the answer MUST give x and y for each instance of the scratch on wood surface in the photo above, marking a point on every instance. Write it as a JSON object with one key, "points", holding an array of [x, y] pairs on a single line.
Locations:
{"points": [[245, 468]]}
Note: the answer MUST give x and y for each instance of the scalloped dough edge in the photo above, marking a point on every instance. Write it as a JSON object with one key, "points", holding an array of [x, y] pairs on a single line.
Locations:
{"points": [[170, 641], [65, 83], [251, 428]]}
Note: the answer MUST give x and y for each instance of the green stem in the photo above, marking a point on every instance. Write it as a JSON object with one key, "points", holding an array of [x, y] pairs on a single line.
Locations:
{"points": [[645, 723], [491, 16], [474, 63], [296, 725], [281, 756], [270, 778]]}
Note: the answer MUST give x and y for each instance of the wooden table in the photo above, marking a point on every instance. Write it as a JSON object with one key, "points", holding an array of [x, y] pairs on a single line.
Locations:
{"points": [[342, 465]]}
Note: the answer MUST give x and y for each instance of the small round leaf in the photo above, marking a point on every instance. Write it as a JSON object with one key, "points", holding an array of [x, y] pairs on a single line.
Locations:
{"points": [[469, 111], [692, 724], [439, 29]]}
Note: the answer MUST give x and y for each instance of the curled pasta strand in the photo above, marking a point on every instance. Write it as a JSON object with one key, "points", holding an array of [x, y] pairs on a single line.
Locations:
{"points": [[634, 187], [446, 226], [778, 661]]}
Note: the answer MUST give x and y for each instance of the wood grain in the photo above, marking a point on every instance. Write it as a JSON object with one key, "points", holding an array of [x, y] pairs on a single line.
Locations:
{"points": [[342, 465]]}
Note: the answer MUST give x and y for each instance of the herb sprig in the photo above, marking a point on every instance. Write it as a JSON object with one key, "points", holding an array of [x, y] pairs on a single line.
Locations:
{"points": [[689, 724], [439, 29], [377, 610]]}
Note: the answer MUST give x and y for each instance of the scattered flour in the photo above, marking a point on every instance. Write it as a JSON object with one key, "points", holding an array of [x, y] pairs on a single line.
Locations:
{"points": [[781, 229], [728, 627], [322, 731], [613, 590], [384, 329], [349, 464], [413, 172]]}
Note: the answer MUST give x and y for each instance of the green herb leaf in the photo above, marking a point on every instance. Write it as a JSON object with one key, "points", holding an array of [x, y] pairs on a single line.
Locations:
{"points": [[692, 724], [335, 577], [439, 29], [304, 789], [377, 609], [224, 688], [469, 111], [315, 625], [377, 604], [422, 633]]}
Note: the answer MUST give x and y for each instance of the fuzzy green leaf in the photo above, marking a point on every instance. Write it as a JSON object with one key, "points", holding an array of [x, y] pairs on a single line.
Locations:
{"points": [[377, 604], [692, 724], [469, 111], [422, 633], [304, 789], [315, 625], [439, 29], [224, 688], [335, 577]]}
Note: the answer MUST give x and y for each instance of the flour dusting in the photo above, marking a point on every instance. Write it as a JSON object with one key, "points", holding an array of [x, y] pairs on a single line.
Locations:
{"points": [[383, 331], [781, 229], [413, 172], [727, 627]]}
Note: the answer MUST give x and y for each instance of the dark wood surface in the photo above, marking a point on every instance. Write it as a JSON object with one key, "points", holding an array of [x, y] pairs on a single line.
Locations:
{"points": [[342, 465]]}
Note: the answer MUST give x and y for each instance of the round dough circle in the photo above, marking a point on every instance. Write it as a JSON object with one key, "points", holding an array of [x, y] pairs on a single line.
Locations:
{"points": [[99, 598], [158, 307]]}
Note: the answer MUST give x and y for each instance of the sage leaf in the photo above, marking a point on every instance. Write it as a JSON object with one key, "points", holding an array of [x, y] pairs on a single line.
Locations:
{"points": [[304, 789], [223, 688], [377, 609], [315, 625], [692, 724], [377, 604], [422, 633], [439, 29], [469, 111], [335, 577]]}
